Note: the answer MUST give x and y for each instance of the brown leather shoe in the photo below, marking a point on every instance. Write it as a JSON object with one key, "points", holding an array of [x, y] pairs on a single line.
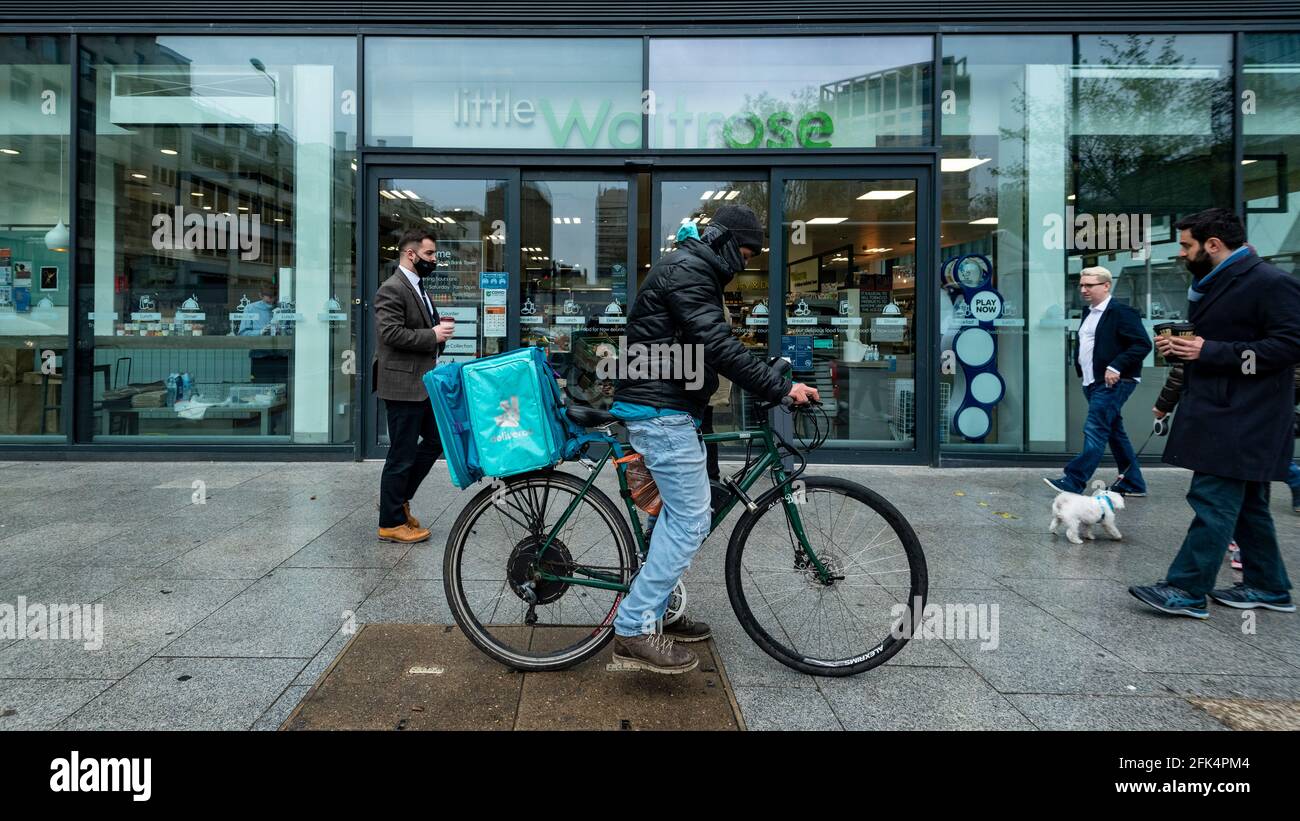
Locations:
{"points": [[403, 533], [654, 652], [411, 521]]}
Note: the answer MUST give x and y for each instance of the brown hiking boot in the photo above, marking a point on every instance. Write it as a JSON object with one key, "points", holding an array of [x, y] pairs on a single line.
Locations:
{"points": [[687, 630], [654, 652], [403, 533], [411, 521]]}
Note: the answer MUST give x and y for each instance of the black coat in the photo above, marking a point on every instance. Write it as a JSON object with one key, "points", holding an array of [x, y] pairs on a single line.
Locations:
{"points": [[1121, 342], [680, 302], [1232, 422]]}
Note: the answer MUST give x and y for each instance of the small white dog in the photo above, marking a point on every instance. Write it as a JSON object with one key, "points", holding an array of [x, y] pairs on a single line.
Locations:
{"points": [[1080, 513]]}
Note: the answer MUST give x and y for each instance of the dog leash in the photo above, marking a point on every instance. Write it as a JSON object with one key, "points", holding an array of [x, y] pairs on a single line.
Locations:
{"points": [[1120, 478]]}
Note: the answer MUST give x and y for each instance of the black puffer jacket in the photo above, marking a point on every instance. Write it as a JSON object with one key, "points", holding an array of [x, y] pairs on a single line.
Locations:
{"points": [[681, 302]]}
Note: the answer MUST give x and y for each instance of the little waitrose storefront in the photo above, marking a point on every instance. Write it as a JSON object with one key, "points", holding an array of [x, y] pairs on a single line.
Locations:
{"points": [[230, 203], [568, 182]]}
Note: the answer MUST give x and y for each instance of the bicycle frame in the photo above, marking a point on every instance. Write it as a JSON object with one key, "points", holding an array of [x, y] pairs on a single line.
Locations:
{"points": [[769, 460]]}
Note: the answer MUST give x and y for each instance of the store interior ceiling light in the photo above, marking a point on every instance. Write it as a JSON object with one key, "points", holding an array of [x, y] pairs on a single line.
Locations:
{"points": [[386, 195], [884, 195], [956, 164], [410, 194], [731, 195], [137, 175], [827, 220], [1070, 198], [13, 152], [171, 152], [1248, 162], [985, 221], [706, 195], [196, 193]]}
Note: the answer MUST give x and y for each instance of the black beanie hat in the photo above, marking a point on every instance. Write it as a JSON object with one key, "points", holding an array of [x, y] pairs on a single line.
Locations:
{"points": [[743, 223]]}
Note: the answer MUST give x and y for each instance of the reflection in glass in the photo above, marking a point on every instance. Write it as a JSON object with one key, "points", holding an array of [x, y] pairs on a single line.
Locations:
{"points": [[790, 92], [515, 92], [1271, 157], [468, 217], [35, 273], [217, 220], [573, 297], [1078, 151], [850, 309]]}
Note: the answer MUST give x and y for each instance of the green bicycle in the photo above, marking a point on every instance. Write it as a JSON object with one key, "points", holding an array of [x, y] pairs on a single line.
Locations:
{"points": [[825, 575]]}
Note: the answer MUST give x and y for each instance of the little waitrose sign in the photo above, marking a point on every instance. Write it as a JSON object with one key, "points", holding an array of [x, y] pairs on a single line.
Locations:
{"points": [[490, 112]]}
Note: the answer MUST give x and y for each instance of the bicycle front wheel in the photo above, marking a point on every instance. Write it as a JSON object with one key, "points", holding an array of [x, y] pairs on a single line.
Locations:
{"points": [[852, 618], [494, 556]]}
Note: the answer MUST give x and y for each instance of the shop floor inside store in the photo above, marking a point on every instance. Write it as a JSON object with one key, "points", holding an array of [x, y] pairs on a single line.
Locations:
{"points": [[429, 677]]}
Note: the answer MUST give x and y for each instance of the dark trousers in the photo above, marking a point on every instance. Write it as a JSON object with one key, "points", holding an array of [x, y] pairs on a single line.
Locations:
{"points": [[1105, 426], [413, 446], [1228, 509]]}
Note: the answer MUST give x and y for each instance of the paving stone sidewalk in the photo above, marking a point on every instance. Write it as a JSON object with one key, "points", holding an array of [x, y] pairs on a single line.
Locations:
{"points": [[221, 615]]}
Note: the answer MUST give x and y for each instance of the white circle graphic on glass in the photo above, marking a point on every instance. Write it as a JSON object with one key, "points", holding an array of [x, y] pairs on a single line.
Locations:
{"points": [[974, 346], [986, 388], [973, 423], [986, 306], [972, 273]]}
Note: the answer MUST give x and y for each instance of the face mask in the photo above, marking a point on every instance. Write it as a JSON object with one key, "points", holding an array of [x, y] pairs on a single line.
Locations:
{"points": [[724, 244], [1199, 265], [424, 267]]}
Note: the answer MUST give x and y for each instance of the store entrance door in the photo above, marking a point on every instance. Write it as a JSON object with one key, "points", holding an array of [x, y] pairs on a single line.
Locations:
{"points": [[843, 290], [471, 212]]}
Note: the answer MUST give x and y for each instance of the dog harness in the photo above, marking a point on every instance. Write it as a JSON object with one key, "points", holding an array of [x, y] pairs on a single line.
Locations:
{"points": [[1108, 502]]}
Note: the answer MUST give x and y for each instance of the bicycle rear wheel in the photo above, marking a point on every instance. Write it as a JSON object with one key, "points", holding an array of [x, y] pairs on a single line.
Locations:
{"points": [[855, 622], [493, 555]]}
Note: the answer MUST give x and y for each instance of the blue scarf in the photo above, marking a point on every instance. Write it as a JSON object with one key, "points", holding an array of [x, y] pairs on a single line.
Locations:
{"points": [[1198, 289]]}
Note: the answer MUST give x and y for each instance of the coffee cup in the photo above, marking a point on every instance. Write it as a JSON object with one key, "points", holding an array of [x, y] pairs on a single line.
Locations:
{"points": [[1182, 329]]}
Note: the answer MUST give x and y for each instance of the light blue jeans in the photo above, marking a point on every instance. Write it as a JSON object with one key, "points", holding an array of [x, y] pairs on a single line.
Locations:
{"points": [[675, 456]]}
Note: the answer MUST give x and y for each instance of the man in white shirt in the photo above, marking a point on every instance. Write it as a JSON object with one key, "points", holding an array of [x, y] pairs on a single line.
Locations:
{"points": [[1111, 346]]}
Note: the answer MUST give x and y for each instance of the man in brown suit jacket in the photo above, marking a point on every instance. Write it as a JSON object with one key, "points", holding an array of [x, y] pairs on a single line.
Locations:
{"points": [[411, 335]]}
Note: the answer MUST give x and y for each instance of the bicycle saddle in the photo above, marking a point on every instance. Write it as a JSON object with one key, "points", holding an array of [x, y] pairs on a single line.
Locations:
{"points": [[589, 417]]}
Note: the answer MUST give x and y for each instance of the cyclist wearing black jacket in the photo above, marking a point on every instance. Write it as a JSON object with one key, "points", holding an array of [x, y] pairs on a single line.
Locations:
{"points": [[678, 315]]}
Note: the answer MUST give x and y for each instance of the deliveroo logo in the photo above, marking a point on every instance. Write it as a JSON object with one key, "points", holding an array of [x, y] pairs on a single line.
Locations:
{"points": [[508, 421], [509, 416]]}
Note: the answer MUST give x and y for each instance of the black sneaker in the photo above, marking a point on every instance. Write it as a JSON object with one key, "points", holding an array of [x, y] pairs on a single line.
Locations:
{"points": [[1243, 597], [1295, 500], [1129, 492], [687, 630], [1172, 600], [1058, 485]]}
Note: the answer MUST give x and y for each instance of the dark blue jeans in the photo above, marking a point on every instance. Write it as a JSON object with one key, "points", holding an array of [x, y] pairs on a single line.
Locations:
{"points": [[1105, 426], [1228, 509]]}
